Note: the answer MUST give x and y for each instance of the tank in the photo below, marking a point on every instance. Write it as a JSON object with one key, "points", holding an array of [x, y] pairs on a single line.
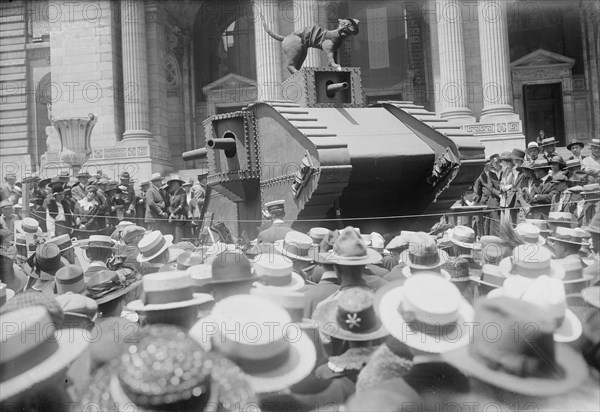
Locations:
{"points": [[333, 160]]}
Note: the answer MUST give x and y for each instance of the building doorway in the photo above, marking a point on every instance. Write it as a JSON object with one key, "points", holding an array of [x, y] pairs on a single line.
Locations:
{"points": [[544, 111]]}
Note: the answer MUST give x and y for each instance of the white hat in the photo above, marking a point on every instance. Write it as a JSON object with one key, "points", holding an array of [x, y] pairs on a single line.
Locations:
{"points": [[530, 233], [5, 293], [276, 271], [168, 290], [463, 236], [272, 350], [297, 245], [152, 245], [531, 261], [427, 313], [533, 145], [548, 294], [377, 242], [156, 176]]}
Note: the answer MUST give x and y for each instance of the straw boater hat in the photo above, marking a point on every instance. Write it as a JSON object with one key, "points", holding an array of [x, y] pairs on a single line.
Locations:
{"points": [[531, 261], [30, 359], [317, 234], [427, 313], [548, 294], [273, 354], [64, 242], [548, 141], [350, 250], [575, 142], [276, 271], [541, 224], [560, 219], [69, 279], [595, 142], [28, 226], [152, 245], [490, 277], [168, 290], [530, 233], [520, 359], [298, 246], [98, 242], [463, 236], [274, 205], [591, 189], [107, 285], [567, 235], [351, 316], [572, 163]]}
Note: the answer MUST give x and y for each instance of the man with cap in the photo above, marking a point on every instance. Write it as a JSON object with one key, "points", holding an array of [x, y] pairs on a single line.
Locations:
{"points": [[178, 207], [278, 229], [155, 204], [575, 147], [533, 151], [78, 189], [591, 164], [9, 182], [487, 191]]}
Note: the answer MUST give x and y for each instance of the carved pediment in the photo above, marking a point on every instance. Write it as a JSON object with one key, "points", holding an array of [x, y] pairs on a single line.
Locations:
{"points": [[230, 81], [542, 58]]}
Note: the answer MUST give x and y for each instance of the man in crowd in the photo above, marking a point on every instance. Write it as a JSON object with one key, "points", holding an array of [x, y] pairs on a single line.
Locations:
{"points": [[156, 212]]}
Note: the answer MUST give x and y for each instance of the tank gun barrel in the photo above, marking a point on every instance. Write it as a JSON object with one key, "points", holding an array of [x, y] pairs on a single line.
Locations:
{"points": [[194, 154], [227, 144], [334, 87]]}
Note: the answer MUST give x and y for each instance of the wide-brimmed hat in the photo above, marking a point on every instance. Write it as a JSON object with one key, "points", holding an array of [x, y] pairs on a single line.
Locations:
{"points": [[156, 176], [69, 278], [572, 163], [80, 311], [129, 233], [44, 182], [463, 236], [28, 226], [276, 271], [83, 173], [6, 203], [175, 178], [427, 313], [489, 276], [98, 242], [152, 245], [439, 271], [5, 293], [575, 142], [349, 249], [506, 156], [533, 146], [274, 356], [292, 301], [561, 218], [558, 160], [168, 290], [29, 359], [530, 233], [107, 285], [548, 141], [567, 235], [575, 279], [531, 261], [229, 267], [351, 316], [517, 154], [595, 142], [298, 246], [423, 253], [188, 259], [541, 164], [548, 294], [520, 359], [528, 165]]}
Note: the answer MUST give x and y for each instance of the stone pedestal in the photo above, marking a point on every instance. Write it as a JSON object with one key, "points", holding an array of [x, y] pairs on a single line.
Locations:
{"points": [[268, 52]]}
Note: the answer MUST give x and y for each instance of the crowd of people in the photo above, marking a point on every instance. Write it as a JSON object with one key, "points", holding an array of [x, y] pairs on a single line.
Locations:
{"points": [[103, 310]]}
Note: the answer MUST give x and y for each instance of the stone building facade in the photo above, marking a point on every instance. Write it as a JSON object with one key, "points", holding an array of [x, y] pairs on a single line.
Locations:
{"points": [[153, 71]]}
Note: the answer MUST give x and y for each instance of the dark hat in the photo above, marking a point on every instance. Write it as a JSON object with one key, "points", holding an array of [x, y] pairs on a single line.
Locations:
{"points": [[528, 165], [520, 359], [571, 163], [575, 142], [91, 188], [70, 278], [354, 23], [350, 249], [107, 285], [47, 260], [175, 178], [558, 160], [518, 154], [44, 182], [541, 164], [129, 233], [559, 178], [351, 316], [125, 176], [493, 156], [34, 298], [230, 267]]}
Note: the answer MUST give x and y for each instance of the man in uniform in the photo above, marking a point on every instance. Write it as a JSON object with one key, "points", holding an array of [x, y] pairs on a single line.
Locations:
{"points": [[278, 228]]}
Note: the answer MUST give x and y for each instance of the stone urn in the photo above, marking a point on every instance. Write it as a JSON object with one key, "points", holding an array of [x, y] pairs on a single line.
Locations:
{"points": [[75, 135]]}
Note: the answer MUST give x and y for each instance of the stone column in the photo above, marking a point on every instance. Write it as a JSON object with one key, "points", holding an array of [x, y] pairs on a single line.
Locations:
{"points": [[306, 14], [495, 59], [268, 50], [135, 75], [453, 90]]}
